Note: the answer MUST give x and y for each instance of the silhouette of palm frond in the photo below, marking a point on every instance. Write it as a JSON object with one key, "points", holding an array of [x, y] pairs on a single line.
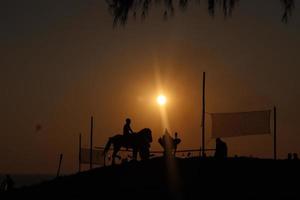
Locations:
{"points": [[122, 9], [288, 7]]}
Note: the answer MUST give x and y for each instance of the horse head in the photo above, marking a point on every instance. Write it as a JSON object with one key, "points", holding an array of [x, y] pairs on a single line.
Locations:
{"points": [[147, 134], [146, 139]]}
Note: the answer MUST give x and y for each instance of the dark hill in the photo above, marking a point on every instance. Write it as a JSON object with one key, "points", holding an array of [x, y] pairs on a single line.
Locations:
{"points": [[191, 178]]}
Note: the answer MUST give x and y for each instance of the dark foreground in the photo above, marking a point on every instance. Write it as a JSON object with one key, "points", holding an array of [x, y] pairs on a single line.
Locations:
{"points": [[192, 178]]}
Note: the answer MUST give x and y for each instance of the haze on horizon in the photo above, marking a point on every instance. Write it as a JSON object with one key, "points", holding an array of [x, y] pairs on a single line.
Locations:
{"points": [[62, 61]]}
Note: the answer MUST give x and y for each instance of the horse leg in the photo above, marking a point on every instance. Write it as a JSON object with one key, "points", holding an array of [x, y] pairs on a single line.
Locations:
{"points": [[144, 153], [147, 154], [116, 150], [134, 153]]}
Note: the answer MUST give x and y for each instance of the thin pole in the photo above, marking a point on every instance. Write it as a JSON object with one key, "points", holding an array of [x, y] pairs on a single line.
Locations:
{"points": [[79, 156], [91, 143], [275, 133], [203, 116], [59, 165]]}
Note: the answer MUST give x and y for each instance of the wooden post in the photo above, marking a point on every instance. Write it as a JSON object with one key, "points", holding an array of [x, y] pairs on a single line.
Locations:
{"points": [[203, 115], [91, 143], [79, 155], [275, 133], [59, 165]]}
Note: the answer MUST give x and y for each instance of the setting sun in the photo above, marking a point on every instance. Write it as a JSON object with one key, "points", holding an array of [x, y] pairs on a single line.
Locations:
{"points": [[161, 100]]}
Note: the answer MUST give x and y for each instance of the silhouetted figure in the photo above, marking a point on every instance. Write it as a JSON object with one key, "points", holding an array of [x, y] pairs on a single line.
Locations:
{"points": [[221, 149], [139, 143], [295, 156], [7, 184], [176, 142], [290, 156], [165, 142], [168, 143], [127, 129]]}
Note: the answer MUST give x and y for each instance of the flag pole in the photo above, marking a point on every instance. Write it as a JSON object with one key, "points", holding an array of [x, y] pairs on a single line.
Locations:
{"points": [[91, 143], [275, 133], [79, 157], [203, 116]]}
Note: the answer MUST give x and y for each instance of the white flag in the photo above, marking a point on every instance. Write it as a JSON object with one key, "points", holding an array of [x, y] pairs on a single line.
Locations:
{"points": [[241, 124], [98, 156]]}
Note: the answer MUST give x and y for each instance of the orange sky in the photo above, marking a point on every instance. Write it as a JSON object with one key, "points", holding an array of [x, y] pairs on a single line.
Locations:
{"points": [[61, 64]]}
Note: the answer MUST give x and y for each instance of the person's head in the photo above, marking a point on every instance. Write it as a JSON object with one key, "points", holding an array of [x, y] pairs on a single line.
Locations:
{"points": [[218, 140], [128, 121], [176, 134]]}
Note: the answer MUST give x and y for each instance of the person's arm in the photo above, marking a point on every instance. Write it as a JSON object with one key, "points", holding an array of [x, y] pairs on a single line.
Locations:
{"points": [[130, 129]]}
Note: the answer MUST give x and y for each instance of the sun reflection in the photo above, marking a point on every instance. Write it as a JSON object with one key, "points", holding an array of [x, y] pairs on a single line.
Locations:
{"points": [[172, 172]]}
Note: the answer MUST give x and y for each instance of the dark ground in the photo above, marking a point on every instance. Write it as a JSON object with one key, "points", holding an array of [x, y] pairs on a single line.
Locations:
{"points": [[193, 178]]}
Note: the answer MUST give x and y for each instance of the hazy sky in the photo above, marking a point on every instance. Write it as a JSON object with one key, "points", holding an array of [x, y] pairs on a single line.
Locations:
{"points": [[62, 61]]}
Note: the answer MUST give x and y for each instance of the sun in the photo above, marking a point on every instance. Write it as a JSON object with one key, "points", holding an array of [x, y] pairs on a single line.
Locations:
{"points": [[161, 100]]}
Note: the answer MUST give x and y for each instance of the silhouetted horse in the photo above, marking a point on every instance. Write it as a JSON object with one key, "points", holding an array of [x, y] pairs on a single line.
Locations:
{"points": [[138, 142]]}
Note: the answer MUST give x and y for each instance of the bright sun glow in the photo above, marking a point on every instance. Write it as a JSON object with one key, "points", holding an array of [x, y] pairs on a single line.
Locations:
{"points": [[161, 100]]}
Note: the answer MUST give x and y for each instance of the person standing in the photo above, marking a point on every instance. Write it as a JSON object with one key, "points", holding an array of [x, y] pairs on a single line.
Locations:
{"points": [[221, 149]]}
